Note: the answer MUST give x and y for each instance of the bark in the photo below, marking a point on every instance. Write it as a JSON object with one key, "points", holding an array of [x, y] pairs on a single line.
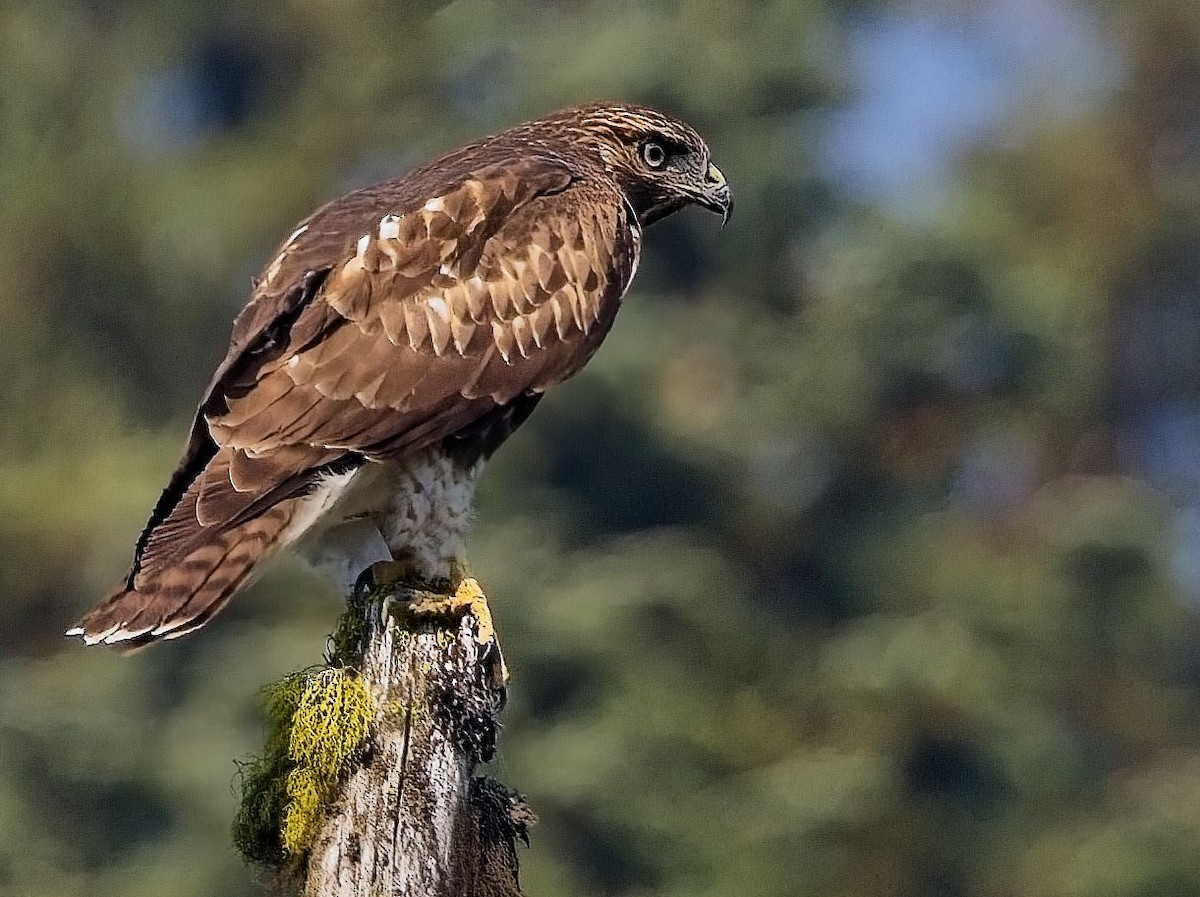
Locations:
{"points": [[412, 819]]}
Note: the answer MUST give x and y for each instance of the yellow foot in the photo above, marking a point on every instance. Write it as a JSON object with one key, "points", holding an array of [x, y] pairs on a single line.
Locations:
{"points": [[426, 599], [467, 598]]}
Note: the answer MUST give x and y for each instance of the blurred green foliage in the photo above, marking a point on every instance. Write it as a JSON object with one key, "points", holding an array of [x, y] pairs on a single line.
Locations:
{"points": [[862, 559]]}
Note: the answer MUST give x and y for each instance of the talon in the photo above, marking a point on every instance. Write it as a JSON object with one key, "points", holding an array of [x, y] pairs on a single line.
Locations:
{"points": [[500, 673], [470, 594], [385, 612], [364, 585]]}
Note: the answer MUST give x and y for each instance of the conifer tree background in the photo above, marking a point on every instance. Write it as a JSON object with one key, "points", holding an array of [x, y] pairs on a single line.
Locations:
{"points": [[863, 560]]}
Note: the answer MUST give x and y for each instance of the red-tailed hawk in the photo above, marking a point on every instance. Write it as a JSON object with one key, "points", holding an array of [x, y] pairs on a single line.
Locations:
{"points": [[399, 335]]}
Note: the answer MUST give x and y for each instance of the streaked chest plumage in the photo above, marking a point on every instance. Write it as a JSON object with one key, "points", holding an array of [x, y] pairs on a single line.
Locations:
{"points": [[417, 510]]}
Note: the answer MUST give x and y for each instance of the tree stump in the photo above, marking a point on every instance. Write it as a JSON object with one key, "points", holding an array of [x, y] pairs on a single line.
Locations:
{"points": [[409, 817]]}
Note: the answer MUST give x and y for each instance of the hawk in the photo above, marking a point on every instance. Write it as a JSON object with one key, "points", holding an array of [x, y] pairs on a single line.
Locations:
{"points": [[398, 336]]}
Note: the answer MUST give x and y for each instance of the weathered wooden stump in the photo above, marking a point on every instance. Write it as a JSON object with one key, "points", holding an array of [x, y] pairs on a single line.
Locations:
{"points": [[406, 815]]}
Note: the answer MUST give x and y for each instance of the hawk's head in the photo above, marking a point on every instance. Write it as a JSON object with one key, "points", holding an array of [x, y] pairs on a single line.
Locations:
{"points": [[661, 163]]}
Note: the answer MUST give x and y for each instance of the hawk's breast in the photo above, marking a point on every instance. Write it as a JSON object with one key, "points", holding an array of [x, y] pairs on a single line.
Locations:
{"points": [[416, 509]]}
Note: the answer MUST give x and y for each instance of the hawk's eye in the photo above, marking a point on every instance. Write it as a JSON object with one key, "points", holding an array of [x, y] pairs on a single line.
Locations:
{"points": [[654, 155]]}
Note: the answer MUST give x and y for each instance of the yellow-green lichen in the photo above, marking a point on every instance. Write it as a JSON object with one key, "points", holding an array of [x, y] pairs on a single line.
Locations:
{"points": [[330, 723], [318, 719]]}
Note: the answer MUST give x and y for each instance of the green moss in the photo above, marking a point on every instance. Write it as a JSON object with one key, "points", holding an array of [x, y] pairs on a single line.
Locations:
{"points": [[258, 826], [348, 639], [318, 720]]}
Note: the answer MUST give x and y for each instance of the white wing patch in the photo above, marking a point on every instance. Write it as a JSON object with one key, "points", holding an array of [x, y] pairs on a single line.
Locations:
{"points": [[277, 264], [389, 227]]}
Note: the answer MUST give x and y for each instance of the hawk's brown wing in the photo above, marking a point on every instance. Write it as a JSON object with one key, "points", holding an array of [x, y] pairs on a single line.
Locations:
{"points": [[435, 322], [388, 322]]}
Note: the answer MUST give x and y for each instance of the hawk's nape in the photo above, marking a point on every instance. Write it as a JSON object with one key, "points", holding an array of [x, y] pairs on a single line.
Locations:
{"points": [[397, 337]]}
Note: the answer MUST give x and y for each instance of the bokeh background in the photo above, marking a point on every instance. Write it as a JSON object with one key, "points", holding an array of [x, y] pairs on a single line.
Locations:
{"points": [[864, 560]]}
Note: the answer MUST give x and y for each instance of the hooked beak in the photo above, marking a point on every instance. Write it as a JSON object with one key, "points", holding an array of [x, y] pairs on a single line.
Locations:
{"points": [[716, 195]]}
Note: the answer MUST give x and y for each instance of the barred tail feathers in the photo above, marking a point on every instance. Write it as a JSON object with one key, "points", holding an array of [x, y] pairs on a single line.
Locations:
{"points": [[172, 600]]}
